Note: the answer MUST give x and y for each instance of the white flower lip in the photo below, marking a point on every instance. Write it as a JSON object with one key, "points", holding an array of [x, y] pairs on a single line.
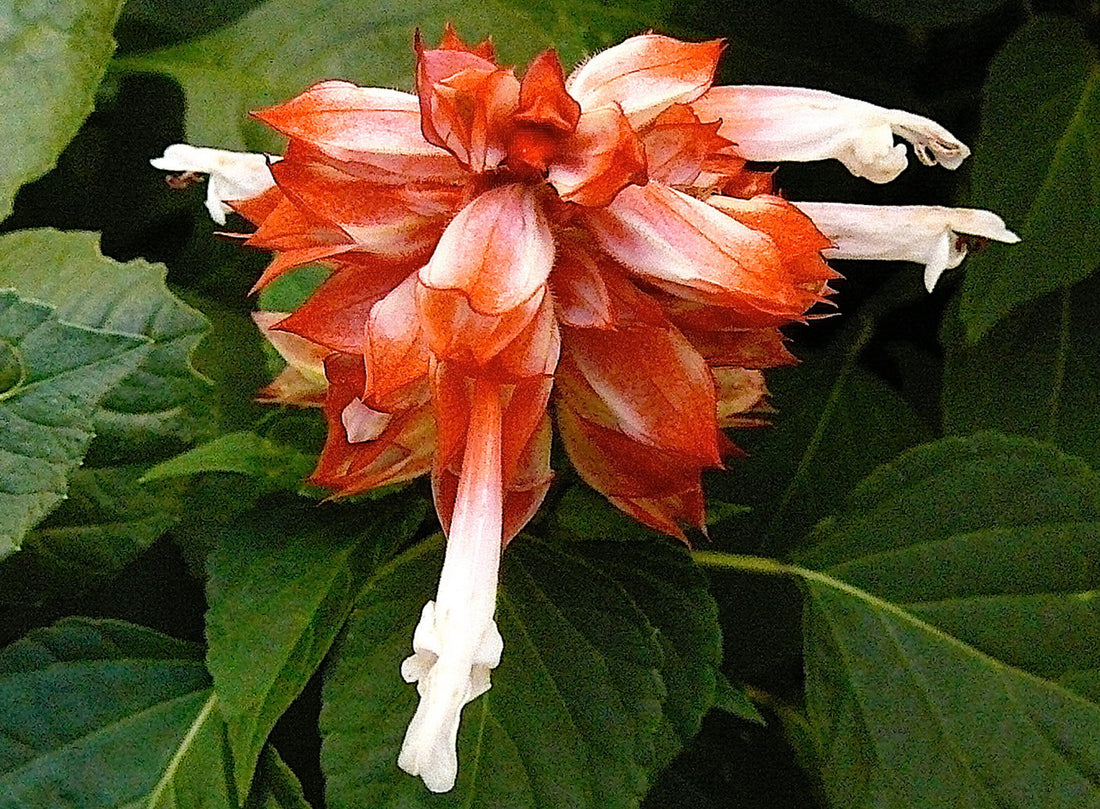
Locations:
{"points": [[233, 175], [777, 124], [924, 234]]}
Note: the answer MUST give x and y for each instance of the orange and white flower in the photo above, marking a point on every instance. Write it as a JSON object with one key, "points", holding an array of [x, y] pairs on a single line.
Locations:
{"points": [[508, 247]]}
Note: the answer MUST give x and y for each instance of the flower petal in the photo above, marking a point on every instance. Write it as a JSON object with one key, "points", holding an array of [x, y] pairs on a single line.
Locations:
{"points": [[542, 96], [466, 103], [233, 175], [646, 382], [689, 248], [336, 314], [498, 251], [924, 234], [656, 488], [678, 145], [375, 128], [388, 220], [303, 381], [395, 350], [456, 643], [599, 159], [645, 75], [792, 123], [402, 451]]}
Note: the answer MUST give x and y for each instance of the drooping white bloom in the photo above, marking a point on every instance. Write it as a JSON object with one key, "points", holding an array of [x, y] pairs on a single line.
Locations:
{"points": [[456, 643], [777, 124], [925, 234], [233, 175]]}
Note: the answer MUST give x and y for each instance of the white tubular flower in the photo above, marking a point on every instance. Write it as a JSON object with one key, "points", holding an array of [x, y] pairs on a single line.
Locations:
{"points": [[934, 236], [776, 124], [233, 175], [456, 643]]}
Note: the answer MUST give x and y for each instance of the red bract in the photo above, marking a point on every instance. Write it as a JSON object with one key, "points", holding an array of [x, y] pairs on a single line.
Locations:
{"points": [[477, 228]]}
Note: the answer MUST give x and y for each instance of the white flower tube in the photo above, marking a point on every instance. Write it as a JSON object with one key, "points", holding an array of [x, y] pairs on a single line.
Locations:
{"points": [[925, 234], [778, 124], [233, 175], [456, 643]]}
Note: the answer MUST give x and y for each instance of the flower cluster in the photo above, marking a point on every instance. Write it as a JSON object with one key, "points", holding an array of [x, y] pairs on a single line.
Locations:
{"points": [[598, 246]]}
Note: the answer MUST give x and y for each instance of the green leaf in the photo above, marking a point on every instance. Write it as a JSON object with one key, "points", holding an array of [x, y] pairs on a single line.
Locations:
{"points": [[735, 702], [835, 422], [281, 585], [67, 270], [942, 14], [609, 663], [56, 374], [950, 571], [1035, 374], [245, 453], [107, 520], [956, 486], [276, 786], [283, 46], [100, 714], [52, 58], [909, 716], [1037, 163]]}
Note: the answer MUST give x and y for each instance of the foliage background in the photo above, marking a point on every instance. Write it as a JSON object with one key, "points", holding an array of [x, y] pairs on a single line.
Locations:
{"points": [[930, 467]]}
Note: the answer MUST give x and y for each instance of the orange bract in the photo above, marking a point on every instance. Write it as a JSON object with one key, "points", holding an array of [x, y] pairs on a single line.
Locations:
{"points": [[591, 243]]}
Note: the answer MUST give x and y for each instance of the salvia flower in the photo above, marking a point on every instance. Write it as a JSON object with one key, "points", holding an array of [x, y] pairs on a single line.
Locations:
{"points": [[504, 247]]}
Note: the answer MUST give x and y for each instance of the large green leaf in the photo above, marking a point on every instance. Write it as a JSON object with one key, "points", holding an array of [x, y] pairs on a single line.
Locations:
{"points": [[68, 271], [109, 715], [52, 58], [55, 375], [275, 465], [956, 486], [907, 715], [282, 583], [283, 46], [98, 714], [610, 651], [1037, 163], [1035, 374], [989, 543]]}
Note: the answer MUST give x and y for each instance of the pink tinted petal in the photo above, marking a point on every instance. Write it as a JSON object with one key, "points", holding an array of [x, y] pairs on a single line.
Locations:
{"points": [[376, 128], [678, 146], [336, 314], [689, 248], [498, 251], [466, 103], [402, 451], [387, 220], [457, 332], [648, 383], [658, 489], [645, 75], [394, 349], [599, 159], [591, 291]]}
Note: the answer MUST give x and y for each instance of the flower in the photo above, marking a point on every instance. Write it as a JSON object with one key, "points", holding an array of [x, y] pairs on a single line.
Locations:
{"points": [[233, 175], [501, 246], [930, 235]]}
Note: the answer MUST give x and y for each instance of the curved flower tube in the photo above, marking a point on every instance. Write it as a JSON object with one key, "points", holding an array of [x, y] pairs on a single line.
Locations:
{"points": [[505, 247], [934, 236]]}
